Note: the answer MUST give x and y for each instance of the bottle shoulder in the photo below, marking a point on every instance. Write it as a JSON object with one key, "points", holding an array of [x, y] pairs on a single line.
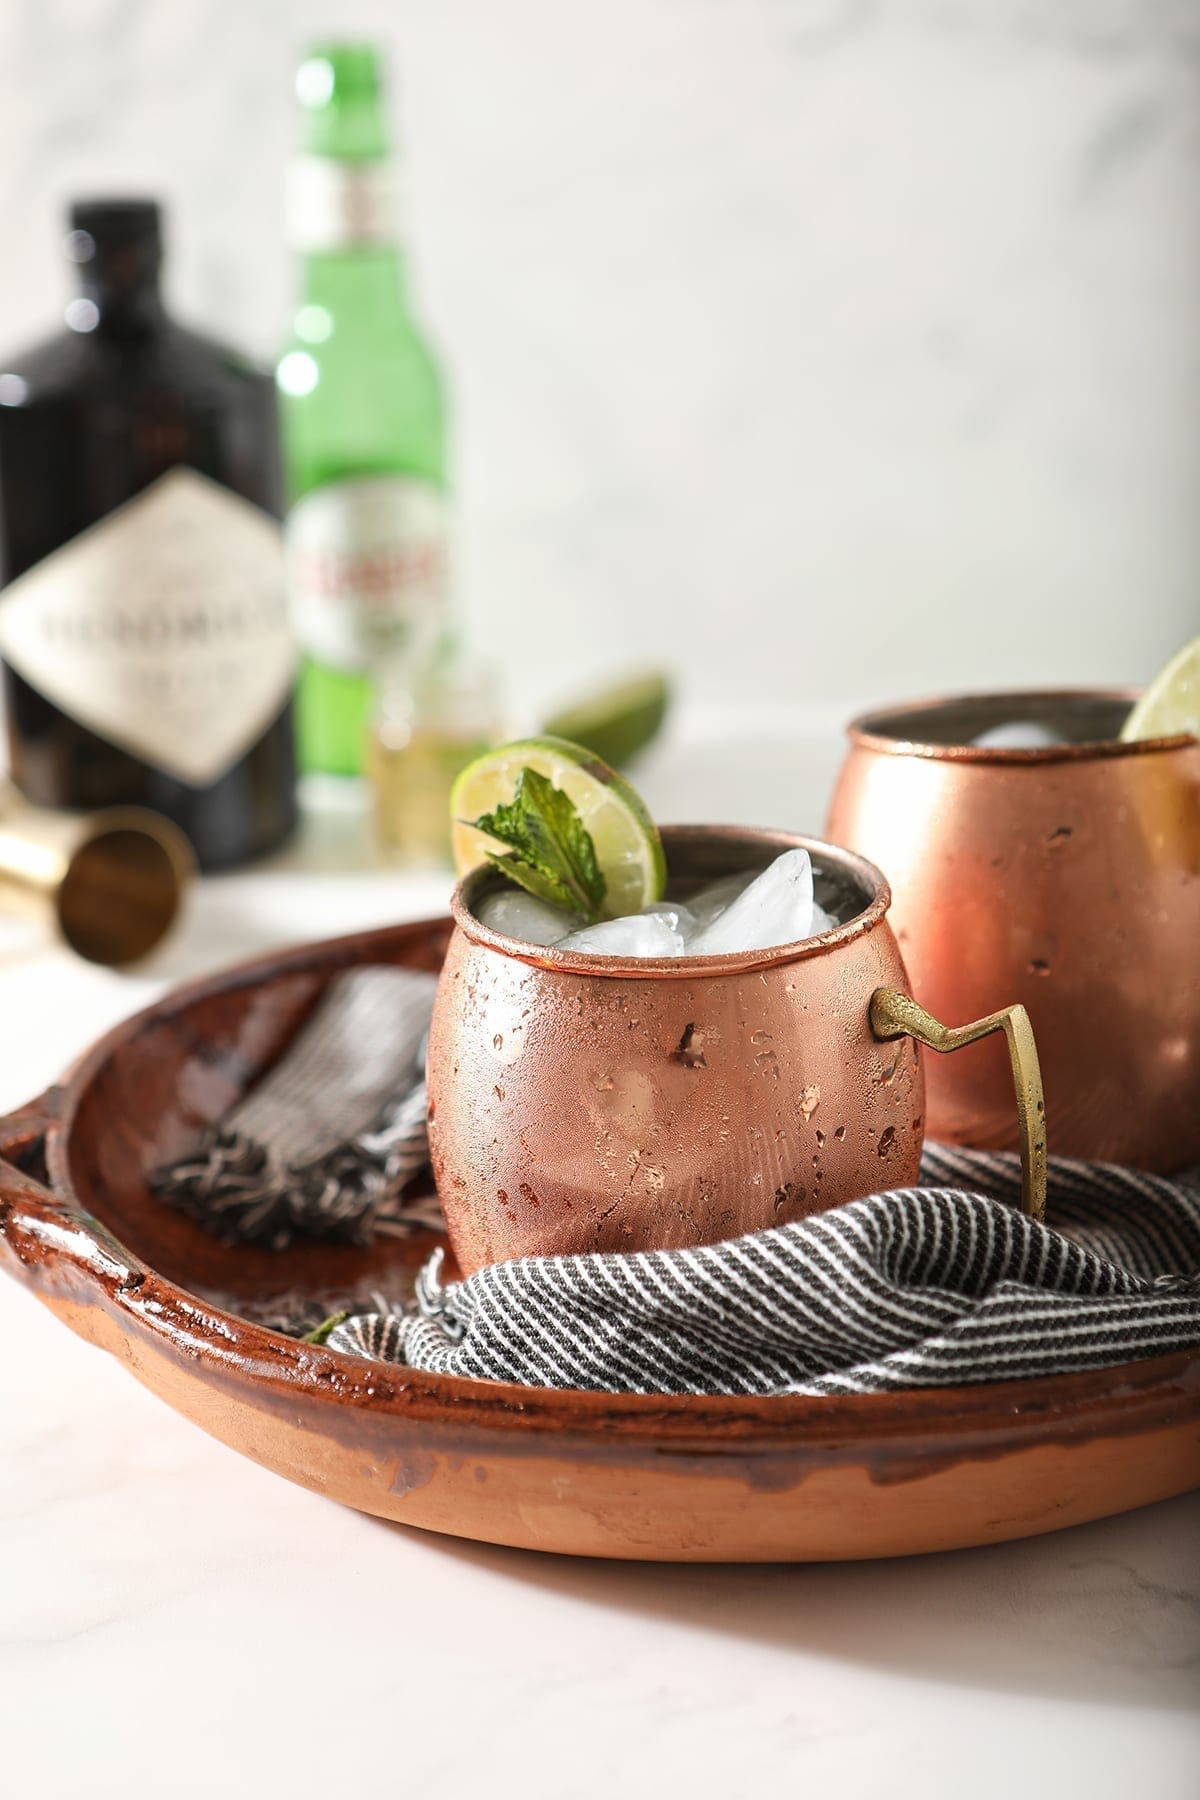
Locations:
{"points": [[394, 422], [192, 355], [332, 336], [169, 360], [53, 363], [348, 376]]}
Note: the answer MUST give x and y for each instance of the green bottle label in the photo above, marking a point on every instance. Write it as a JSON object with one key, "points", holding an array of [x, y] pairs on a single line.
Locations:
{"points": [[367, 562], [341, 206]]}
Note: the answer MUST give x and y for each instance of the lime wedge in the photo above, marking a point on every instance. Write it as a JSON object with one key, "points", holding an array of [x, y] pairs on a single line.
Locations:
{"points": [[1171, 704], [618, 721], [628, 847]]}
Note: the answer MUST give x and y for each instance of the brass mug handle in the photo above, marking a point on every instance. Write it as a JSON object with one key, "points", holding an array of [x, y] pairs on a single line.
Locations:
{"points": [[894, 1015]]}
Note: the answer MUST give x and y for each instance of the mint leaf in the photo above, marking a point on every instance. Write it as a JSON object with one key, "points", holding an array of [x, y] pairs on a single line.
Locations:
{"points": [[551, 853], [541, 884]]}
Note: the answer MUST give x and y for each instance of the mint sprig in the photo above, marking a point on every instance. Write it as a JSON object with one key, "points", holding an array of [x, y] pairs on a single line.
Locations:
{"points": [[551, 853]]}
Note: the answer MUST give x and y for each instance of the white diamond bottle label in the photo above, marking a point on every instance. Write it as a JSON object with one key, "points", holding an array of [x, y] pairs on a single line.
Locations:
{"points": [[367, 561], [162, 628]]}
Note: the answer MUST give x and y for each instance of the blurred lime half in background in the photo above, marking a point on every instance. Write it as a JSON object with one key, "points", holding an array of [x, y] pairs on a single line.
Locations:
{"points": [[617, 721]]}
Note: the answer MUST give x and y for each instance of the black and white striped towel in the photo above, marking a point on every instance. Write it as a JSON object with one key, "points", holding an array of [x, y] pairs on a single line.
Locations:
{"points": [[919, 1287]]}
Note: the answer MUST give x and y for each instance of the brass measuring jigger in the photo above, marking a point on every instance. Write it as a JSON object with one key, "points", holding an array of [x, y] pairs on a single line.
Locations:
{"points": [[1066, 877], [111, 882], [581, 1102]]}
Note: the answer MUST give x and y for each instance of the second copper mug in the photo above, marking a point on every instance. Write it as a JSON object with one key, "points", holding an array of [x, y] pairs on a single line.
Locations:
{"points": [[579, 1102], [1066, 877]]}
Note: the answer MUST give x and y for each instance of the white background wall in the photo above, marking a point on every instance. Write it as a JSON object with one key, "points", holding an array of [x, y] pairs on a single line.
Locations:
{"points": [[831, 349]]}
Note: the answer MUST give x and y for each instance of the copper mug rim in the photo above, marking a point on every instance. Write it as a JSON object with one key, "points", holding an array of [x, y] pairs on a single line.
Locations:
{"points": [[866, 876], [875, 729]]}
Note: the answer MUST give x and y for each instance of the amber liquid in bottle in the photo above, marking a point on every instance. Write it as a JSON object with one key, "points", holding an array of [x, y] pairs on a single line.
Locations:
{"points": [[148, 662]]}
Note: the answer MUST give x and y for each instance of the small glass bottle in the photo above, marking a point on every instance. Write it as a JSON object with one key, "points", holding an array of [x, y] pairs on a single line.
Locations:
{"points": [[436, 710]]}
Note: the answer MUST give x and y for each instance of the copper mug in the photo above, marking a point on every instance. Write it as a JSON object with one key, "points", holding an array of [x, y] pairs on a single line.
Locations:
{"points": [[1067, 877], [583, 1103]]}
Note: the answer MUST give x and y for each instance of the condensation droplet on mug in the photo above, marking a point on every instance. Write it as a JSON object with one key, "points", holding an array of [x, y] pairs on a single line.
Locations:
{"points": [[810, 1099], [1039, 966], [784, 1196], [602, 1081], [887, 1142]]}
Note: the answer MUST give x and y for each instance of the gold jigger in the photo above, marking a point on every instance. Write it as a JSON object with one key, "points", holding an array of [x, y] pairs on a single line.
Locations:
{"points": [[1066, 877], [112, 881], [591, 1103]]}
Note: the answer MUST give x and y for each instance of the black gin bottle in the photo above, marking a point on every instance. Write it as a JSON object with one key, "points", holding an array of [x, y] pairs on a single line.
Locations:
{"points": [[143, 621]]}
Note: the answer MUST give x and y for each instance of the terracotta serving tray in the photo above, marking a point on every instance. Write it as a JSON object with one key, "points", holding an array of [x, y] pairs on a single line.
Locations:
{"points": [[593, 1474]]}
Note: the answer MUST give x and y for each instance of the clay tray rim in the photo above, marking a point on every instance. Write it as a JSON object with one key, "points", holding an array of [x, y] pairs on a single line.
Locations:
{"points": [[1153, 1391]]}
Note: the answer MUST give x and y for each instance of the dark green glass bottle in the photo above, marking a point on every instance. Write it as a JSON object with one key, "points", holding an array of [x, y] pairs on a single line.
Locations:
{"points": [[144, 632]]}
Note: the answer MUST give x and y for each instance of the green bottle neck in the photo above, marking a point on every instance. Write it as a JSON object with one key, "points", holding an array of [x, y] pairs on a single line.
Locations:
{"points": [[340, 89], [355, 276]]}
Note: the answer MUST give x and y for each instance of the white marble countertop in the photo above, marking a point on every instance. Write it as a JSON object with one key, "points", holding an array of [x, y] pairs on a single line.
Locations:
{"points": [[172, 1614]]}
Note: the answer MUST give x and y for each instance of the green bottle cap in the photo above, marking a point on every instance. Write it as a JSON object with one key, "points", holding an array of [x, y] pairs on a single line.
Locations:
{"points": [[340, 89]]}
